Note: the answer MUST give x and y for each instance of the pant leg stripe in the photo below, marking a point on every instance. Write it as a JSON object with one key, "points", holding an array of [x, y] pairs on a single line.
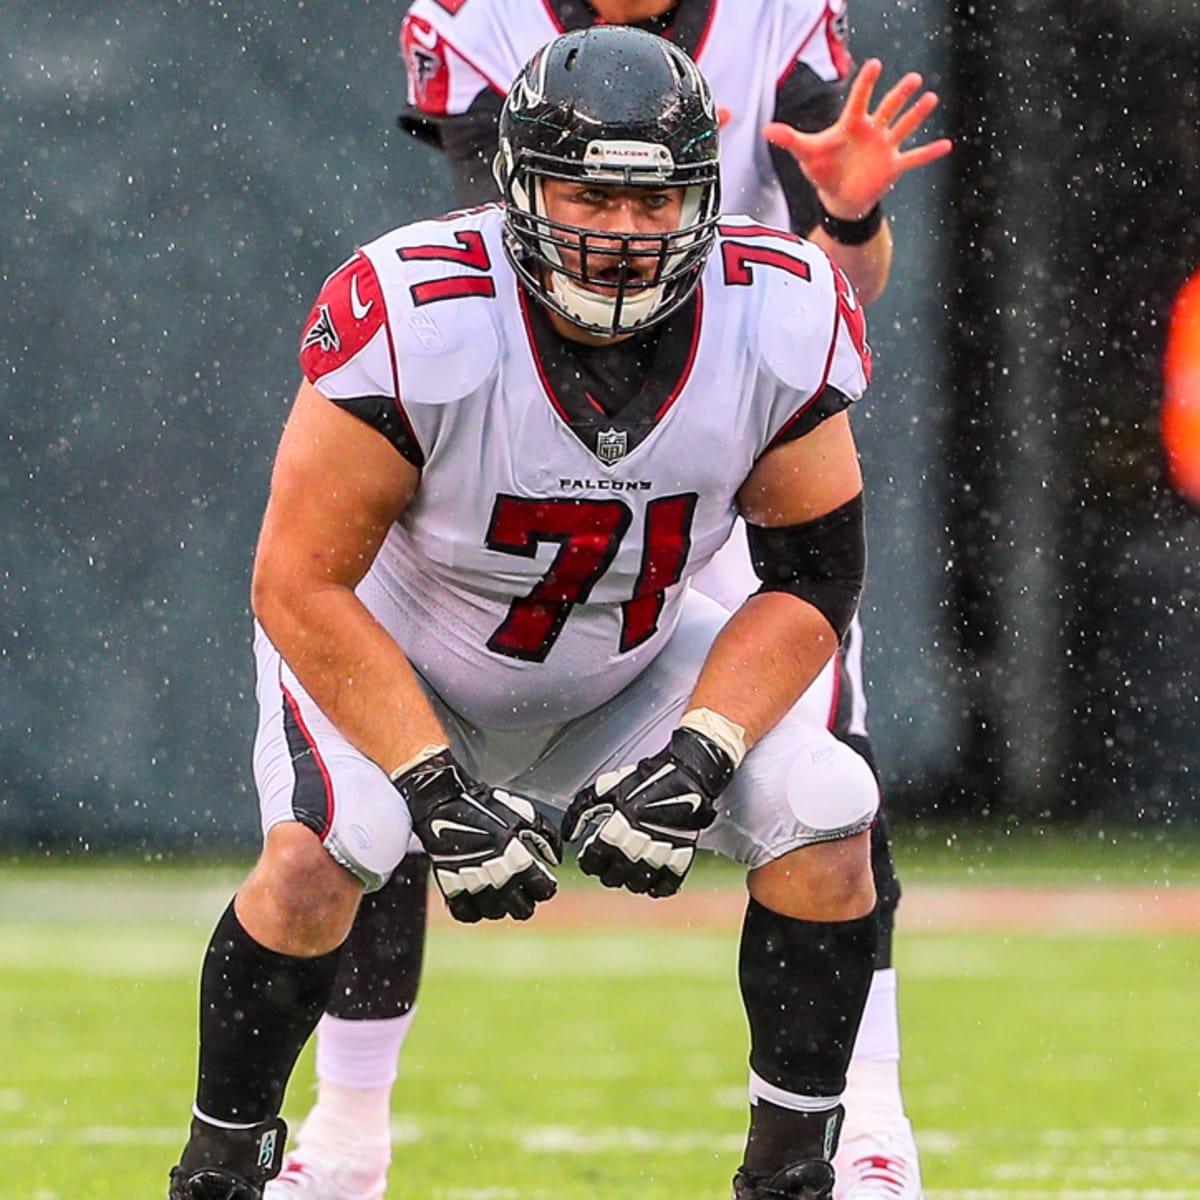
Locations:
{"points": [[839, 666], [312, 795]]}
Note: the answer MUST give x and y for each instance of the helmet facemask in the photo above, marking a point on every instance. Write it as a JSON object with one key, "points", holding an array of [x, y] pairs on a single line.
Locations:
{"points": [[541, 249]]}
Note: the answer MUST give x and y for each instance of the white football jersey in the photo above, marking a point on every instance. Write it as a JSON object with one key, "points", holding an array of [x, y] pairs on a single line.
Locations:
{"points": [[543, 559], [454, 50]]}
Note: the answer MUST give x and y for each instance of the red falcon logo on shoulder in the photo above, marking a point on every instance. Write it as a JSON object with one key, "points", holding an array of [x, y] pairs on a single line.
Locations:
{"points": [[323, 332], [425, 60], [346, 316]]}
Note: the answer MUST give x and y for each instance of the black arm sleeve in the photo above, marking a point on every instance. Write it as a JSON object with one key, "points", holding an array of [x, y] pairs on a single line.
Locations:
{"points": [[469, 142], [808, 103], [823, 562]]}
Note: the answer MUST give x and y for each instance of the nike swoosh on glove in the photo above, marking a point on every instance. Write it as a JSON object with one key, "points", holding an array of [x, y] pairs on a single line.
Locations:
{"points": [[489, 849], [647, 817]]}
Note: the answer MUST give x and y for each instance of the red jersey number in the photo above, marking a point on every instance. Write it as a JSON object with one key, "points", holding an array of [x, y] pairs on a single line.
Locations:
{"points": [[470, 252], [588, 533]]}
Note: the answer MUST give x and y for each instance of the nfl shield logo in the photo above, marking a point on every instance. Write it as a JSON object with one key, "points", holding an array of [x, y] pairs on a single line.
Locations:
{"points": [[611, 445]]}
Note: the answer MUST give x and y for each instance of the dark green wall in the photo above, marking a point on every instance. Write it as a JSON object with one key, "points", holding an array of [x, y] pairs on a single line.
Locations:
{"points": [[176, 180]]}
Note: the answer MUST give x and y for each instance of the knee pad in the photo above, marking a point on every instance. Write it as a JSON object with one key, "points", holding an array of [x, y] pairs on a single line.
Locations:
{"points": [[812, 780], [830, 788]]}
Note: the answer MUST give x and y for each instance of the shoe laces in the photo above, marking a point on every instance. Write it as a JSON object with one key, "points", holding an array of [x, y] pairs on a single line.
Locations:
{"points": [[878, 1172], [294, 1174], [310, 1181]]}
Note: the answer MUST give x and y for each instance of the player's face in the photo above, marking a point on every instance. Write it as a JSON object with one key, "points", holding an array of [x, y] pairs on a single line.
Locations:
{"points": [[621, 212], [625, 12]]}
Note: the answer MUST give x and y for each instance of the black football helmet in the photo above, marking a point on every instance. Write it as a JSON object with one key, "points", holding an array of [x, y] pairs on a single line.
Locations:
{"points": [[618, 106]]}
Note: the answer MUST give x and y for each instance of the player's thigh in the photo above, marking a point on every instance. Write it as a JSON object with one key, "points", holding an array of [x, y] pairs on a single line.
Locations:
{"points": [[304, 770], [798, 786]]}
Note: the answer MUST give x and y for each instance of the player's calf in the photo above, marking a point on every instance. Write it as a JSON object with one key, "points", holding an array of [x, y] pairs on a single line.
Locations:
{"points": [[804, 984]]}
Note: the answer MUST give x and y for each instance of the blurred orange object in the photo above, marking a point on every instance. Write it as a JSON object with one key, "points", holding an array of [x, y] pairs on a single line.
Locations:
{"points": [[1181, 402]]}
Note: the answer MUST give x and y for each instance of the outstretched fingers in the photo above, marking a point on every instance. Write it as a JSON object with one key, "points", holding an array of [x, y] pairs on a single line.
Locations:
{"points": [[858, 99], [908, 123], [785, 137], [908, 160], [897, 96]]}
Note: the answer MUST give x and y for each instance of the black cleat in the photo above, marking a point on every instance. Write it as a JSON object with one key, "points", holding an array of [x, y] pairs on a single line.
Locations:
{"points": [[811, 1179], [228, 1164], [210, 1183]]}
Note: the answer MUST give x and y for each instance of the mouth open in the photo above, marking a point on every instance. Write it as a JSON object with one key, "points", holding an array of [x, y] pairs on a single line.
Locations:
{"points": [[610, 276]]}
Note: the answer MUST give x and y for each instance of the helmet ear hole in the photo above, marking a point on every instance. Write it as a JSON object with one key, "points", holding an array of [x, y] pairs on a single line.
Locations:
{"points": [[615, 106]]}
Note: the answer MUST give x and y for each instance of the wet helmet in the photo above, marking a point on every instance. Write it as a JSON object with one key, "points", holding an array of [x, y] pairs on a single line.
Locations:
{"points": [[618, 106]]}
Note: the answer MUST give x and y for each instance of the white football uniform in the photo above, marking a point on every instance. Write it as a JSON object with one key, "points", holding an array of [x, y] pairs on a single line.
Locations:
{"points": [[539, 579], [744, 48], [453, 52]]}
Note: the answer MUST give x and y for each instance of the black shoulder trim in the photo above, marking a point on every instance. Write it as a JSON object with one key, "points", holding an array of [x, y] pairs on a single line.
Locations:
{"points": [[809, 103], [380, 412], [806, 101], [417, 125], [828, 403]]}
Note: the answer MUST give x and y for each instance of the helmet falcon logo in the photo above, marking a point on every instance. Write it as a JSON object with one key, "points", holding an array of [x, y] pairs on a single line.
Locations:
{"points": [[611, 446], [530, 88], [322, 333]]}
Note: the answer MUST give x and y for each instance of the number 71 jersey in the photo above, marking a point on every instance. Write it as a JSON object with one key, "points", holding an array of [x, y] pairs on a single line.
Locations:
{"points": [[542, 561]]}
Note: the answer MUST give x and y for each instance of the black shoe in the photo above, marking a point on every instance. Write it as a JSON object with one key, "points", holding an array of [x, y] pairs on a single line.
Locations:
{"points": [[811, 1179], [228, 1164], [210, 1183]]}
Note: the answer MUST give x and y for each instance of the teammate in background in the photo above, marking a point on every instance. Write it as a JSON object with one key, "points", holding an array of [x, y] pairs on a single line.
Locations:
{"points": [[826, 184], [472, 590]]}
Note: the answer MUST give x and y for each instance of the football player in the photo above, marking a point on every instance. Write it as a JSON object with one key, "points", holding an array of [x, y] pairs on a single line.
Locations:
{"points": [[823, 174], [475, 624]]}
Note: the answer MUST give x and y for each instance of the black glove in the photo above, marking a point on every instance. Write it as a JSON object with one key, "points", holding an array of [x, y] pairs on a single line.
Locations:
{"points": [[481, 841], [650, 815]]}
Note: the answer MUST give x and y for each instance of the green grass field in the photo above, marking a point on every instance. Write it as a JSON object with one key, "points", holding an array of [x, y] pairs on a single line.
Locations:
{"points": [[564, 1065]]}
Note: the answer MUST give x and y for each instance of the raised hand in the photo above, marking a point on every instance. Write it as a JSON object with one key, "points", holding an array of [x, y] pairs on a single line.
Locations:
{"points": [[487, 846], [855, 161]]}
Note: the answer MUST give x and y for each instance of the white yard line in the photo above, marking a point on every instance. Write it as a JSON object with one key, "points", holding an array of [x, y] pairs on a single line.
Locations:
{"points": [[1076, 1148]]}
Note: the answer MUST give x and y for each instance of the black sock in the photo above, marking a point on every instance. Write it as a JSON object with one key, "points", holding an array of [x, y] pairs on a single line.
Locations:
{"points": [[779, 1137], [257, 1009], [804, 985], [380, 967]]}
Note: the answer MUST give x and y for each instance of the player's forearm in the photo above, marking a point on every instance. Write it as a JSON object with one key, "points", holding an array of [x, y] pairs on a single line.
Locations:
{"points": [[353, 669], [867, 266], [763, 661]]}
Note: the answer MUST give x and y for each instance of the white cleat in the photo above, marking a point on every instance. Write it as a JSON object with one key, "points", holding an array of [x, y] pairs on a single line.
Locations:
{"points": [[879, 1165], [306, 1179]]}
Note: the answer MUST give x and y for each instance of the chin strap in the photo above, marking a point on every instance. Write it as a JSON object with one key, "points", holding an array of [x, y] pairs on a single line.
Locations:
{"points": [[592, 309]]}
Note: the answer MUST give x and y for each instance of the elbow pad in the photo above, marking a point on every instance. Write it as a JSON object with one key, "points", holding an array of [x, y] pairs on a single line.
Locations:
{"points": [[822, 562]]}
